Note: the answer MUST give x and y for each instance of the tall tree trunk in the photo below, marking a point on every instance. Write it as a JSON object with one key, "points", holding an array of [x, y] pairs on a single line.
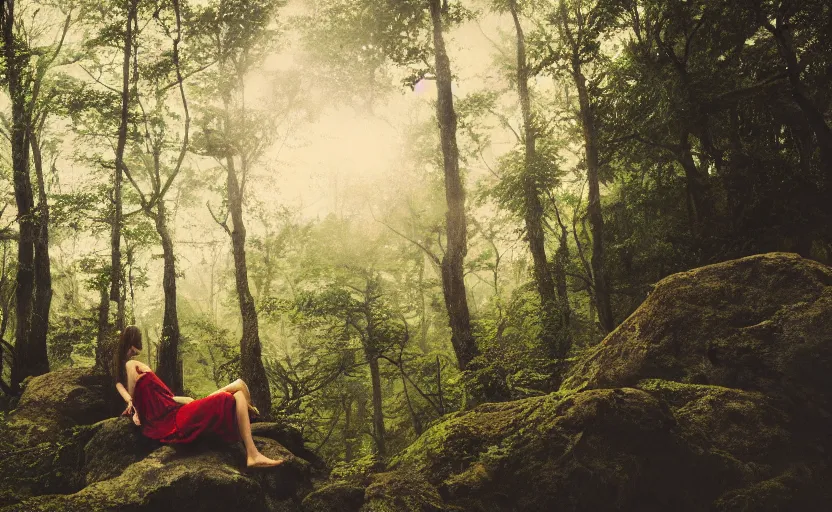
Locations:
{"points": [[43, 274], [372, 355], [561, 262], [453, 279], [29, 361], [695, 182], [553, 335], [378, 415], [347, 432], [251, 360], [169, 368], [117, 220], [596, 219], [423, 308], [103, 350]]}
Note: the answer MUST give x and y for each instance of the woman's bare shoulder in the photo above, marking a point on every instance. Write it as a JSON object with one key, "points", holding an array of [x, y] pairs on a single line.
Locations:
{"points": [[137, 365]]}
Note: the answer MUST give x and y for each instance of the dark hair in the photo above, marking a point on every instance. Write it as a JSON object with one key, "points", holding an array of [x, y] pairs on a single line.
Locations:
{"points": [[131, 337]]}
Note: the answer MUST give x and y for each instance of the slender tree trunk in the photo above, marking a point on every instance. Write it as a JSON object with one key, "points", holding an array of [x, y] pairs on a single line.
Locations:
{"points": [[348, 435], [43, 274], [117, 221], [251, 360], [695, 185], [169, 368], [103, 352], [378, 415], [553, 335], [453, 280], [29, 361], [561, 262], [596, 219], [414, 418], [423, 308]]}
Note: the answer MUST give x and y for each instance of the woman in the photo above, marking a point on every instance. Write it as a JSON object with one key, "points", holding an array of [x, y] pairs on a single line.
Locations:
{"points": [[180, 419]]}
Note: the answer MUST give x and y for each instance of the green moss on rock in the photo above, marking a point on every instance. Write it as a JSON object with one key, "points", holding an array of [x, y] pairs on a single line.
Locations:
{"points": [[117, 444], [401, 491], [593, 450], [206, 475], [54, 402], [335, 496], [760, 323]]}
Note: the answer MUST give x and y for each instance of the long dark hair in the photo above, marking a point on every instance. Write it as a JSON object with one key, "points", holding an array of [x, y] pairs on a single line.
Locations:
{"points": [[131, 337]]}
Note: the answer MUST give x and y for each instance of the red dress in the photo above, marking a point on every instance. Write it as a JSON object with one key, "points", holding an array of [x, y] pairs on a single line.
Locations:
{"points": [[167, 421]]}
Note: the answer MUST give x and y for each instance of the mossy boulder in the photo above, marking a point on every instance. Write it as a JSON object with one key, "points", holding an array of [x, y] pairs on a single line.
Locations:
{"points": [[205, 475], [290, 437], [617, 449], [746, 426], [336, 496], [117, 444], [54, 402], [399, 490], [48, 467], [761, 323]]}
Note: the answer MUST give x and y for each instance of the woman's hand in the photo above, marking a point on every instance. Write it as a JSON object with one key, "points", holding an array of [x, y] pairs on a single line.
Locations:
{"points": [[129, 410], [136, 417]]}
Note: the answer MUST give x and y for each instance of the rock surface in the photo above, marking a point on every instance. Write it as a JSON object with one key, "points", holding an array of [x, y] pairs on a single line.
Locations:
{"points": [[205, 475], [54, 402], [761, 323]]}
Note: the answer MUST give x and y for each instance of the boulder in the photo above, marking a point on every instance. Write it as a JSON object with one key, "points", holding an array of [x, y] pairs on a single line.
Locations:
{"points": [[615, 449], [48, 467], [398, 490], [402, 491], [117, 444], [205, 475], [761, 323], [289, 436], [336, 496], [54, 402]]}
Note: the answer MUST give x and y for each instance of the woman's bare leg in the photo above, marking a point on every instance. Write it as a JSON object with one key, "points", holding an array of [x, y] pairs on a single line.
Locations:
{"points": [[239, 386], [253, 457]]}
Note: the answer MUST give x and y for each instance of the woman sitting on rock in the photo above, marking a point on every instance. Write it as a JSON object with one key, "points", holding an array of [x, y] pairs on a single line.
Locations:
{"points": [[180, 419]]}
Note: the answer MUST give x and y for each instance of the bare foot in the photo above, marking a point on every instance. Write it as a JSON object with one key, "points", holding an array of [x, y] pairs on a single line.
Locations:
{"points": [[261, 461]]}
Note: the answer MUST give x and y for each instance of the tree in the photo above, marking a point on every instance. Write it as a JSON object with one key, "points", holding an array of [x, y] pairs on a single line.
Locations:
{"points": [[235, 35], [161, 175], [580, 25], [26, 68], [554, 331]]}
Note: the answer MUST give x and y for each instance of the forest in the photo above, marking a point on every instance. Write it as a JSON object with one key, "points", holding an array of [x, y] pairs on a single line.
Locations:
{"points": [[384, 214]]}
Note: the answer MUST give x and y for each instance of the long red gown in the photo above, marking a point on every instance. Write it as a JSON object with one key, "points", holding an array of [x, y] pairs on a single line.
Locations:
{"points": [[167, 421]]}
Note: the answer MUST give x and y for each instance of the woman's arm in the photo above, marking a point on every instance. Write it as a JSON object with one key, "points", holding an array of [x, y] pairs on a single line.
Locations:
{"points": [[123, 392], [183, 399]]}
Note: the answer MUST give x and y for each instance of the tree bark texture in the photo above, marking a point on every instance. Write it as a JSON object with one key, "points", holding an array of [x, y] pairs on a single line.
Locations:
{"points": [[378, 416], [43, 274], [30, 360], [169, 369], [118, 221], [251, 360], [453, 280], [596, 219], [103, 356]]}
